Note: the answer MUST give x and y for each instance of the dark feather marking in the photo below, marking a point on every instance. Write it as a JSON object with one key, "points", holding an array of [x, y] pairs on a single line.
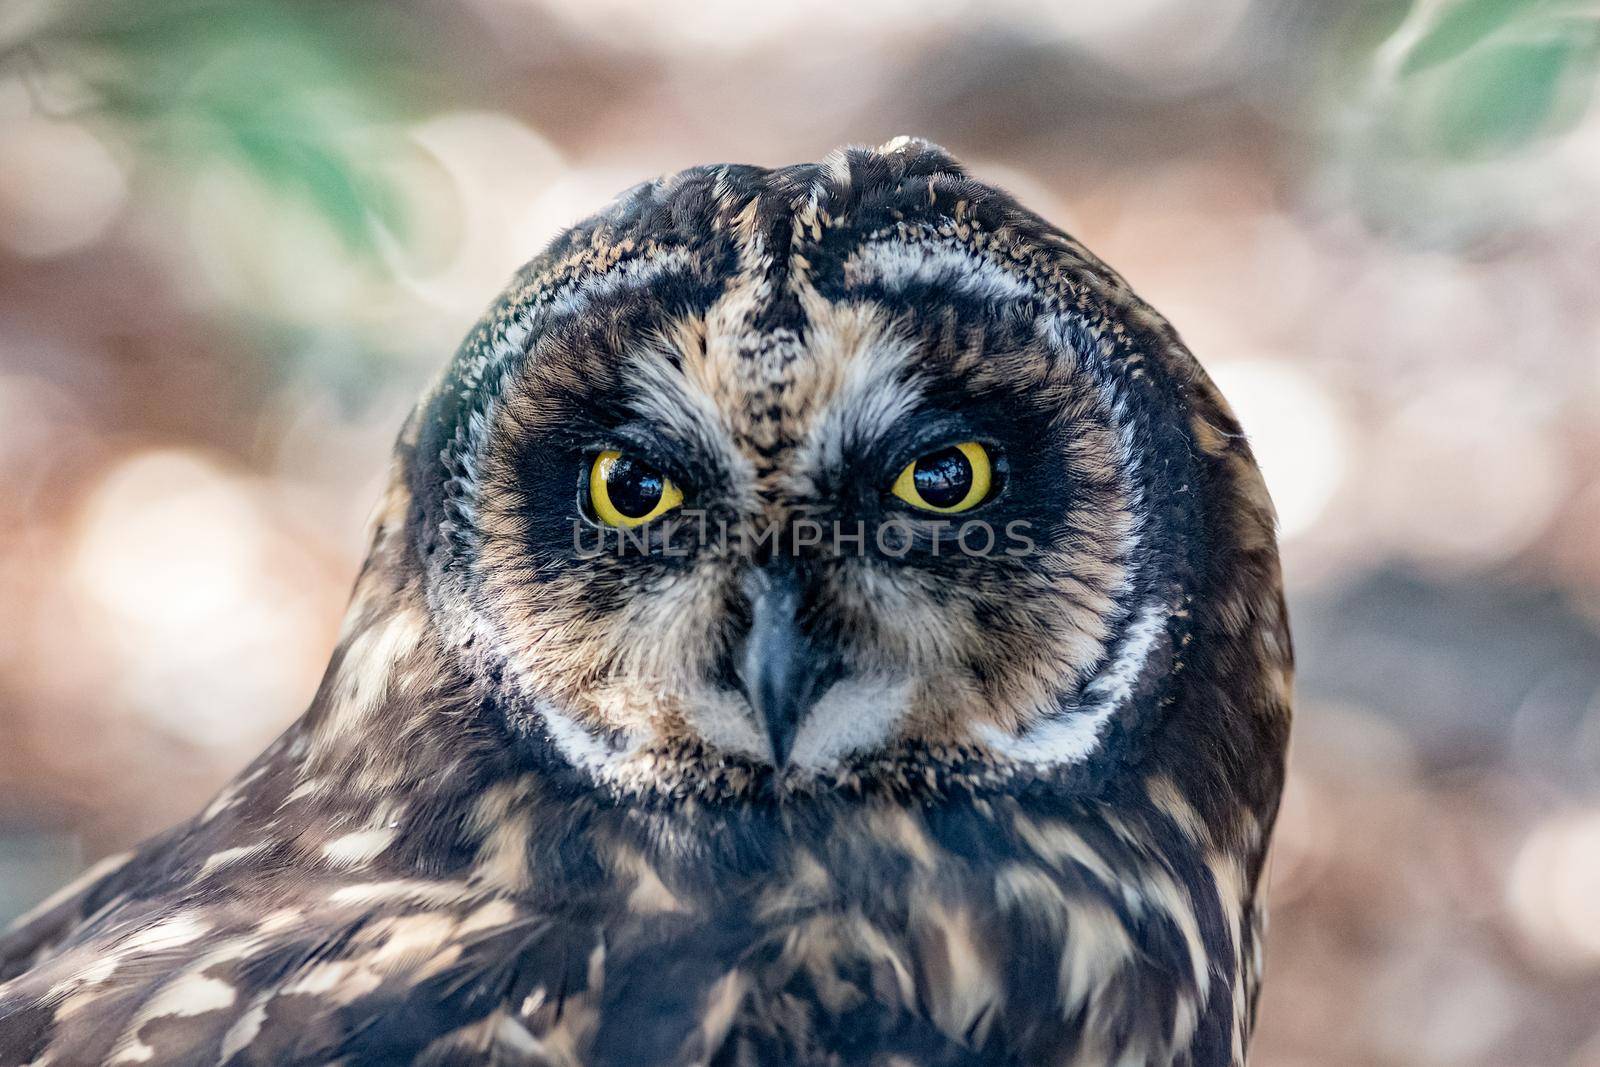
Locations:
{"points": [[613, 914]]}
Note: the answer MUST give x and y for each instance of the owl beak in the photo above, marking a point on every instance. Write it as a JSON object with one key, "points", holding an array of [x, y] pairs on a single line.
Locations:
{"points": [[779, 668]]}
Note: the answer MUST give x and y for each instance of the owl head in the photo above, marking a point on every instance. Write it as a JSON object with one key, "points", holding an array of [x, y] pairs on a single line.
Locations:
{"points": [[839, 475]]}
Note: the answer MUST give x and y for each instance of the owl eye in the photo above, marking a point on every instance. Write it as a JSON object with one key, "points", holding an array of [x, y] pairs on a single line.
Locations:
{"points": [[625, 491], [951, 480]]}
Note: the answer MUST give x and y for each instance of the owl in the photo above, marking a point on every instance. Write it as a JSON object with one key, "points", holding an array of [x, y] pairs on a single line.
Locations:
{"points": [[821, 616]]}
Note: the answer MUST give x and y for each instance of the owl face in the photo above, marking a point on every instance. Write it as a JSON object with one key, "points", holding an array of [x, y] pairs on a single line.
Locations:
{"points": [[785, 477]]}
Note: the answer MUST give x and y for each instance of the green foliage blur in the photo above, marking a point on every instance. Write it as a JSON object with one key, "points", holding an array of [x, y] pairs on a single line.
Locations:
{"points": [[298, 93], [238, 237], [288, 90]]}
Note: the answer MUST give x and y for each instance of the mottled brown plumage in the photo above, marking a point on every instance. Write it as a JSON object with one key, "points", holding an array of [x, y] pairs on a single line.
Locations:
{"points": [[763, 800]]}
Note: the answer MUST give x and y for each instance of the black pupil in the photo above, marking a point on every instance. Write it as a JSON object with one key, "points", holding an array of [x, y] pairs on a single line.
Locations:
{"points": [[634, 487], [944, 478]]}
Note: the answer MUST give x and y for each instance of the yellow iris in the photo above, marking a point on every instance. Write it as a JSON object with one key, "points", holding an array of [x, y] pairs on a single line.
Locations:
{"points": [[948, 481], [624, 491]]}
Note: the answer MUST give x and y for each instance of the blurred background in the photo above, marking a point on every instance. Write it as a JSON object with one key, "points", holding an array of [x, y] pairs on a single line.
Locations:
{"points": [[237, 238]]}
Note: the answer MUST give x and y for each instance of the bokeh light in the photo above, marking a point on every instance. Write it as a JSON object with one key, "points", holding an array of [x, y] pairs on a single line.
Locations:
{"points": [[1296, 434], [60, 186], [237, 238], [191, 583]]}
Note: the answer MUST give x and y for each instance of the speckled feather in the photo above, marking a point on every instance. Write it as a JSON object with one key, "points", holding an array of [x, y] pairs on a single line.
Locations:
{"points": [[419, 871]]}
